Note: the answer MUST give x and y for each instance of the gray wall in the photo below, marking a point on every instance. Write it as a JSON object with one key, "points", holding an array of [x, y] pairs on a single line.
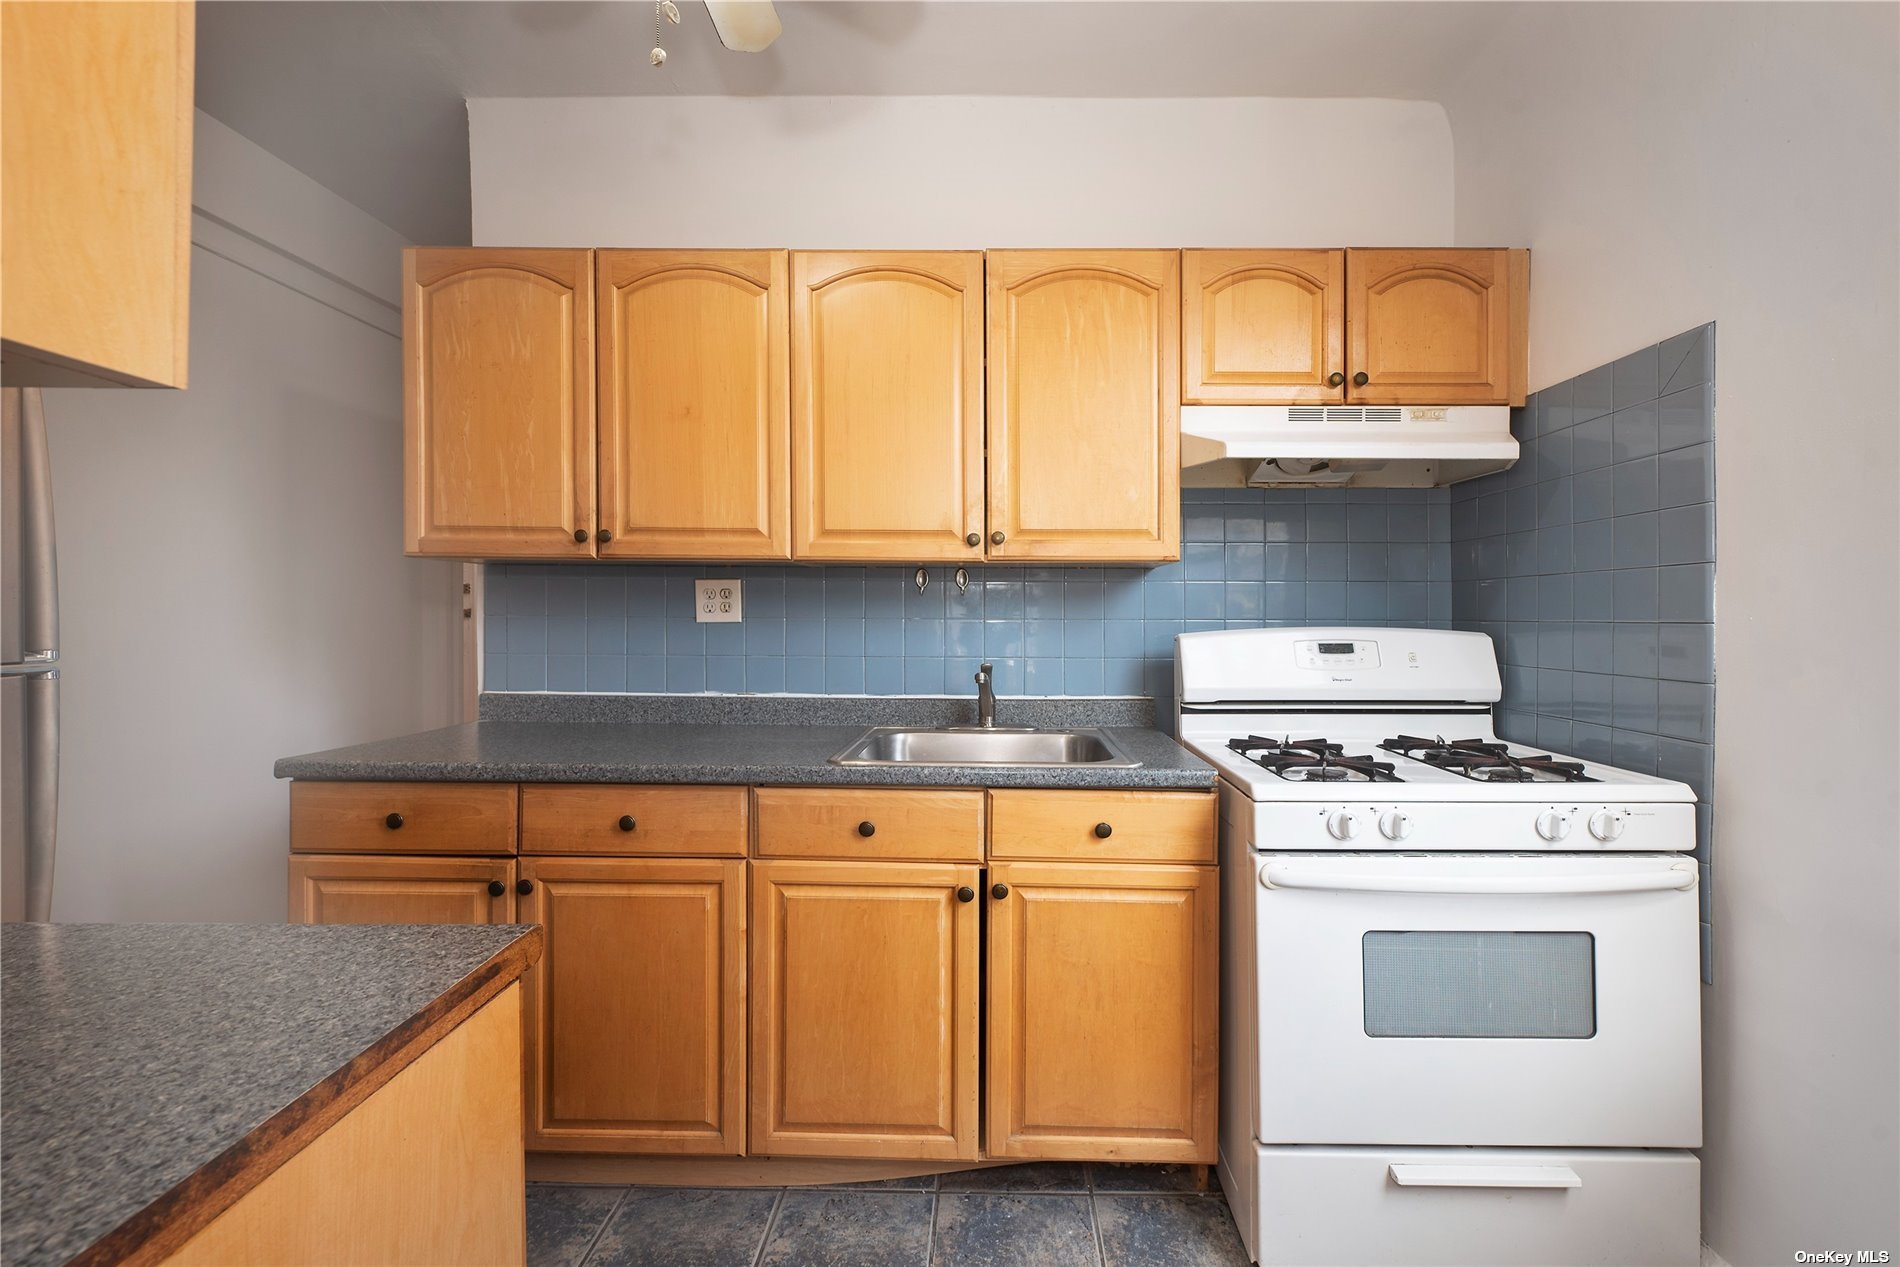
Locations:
{"points": [[231, 586], [1591, 563]]}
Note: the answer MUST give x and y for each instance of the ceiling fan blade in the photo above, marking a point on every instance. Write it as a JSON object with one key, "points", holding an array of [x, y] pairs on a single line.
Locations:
{"points": [[745, 26]]}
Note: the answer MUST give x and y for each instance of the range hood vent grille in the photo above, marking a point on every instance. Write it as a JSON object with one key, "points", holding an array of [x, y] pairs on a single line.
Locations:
{"points": [[1390, 415]]}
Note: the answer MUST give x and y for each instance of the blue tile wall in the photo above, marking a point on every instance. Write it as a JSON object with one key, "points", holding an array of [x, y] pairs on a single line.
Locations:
{"points": [[1249, 557], [1591, 563]]}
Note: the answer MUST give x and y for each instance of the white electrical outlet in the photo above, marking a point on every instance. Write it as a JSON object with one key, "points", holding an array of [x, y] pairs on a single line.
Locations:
{"points": [[715, 602]]}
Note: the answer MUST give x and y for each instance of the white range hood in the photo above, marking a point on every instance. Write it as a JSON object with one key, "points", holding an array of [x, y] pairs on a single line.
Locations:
{"points": [[1351, 446]]}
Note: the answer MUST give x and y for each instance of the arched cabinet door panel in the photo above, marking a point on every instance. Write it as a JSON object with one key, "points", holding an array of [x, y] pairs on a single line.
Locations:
{"points": [[498, 377], [1263, 327], [1085, 405], [694, 423], [1444, 327], [887, 404]]}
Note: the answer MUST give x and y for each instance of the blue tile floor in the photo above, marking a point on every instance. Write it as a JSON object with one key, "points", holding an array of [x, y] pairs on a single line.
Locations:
{"points": [[1041, 1214]]}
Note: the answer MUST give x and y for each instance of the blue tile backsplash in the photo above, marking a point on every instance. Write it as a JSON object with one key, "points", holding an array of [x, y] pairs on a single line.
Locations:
{"points": [[1249, 557], [1591, 563]]}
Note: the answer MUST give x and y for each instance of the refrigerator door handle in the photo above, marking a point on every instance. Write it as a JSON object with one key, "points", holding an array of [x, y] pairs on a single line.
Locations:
{"points": [[39, 628]]}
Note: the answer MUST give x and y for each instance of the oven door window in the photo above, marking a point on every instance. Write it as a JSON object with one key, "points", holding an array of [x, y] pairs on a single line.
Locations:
{"points": [[1480, 985]]}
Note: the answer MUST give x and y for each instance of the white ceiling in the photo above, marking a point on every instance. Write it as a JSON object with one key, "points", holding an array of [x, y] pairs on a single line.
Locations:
{"points": [[367, 96]]}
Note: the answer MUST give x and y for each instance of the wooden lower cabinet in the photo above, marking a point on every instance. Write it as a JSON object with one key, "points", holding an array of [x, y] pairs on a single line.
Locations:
{"points": [[865, 1009], [1104, 1028], [373, 889], [636, 1011]]}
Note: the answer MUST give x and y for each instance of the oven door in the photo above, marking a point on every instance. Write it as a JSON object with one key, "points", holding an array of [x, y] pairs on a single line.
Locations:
{"points": [[1547, 1000]]}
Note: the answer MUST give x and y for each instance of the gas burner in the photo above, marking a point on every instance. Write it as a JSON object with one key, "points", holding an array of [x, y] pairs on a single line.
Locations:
{"points": [[1485, 762], [1313, 761]]}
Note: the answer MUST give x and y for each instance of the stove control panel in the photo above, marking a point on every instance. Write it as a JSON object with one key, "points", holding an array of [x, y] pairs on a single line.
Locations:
{"points": [[1459, 827], [1336, 654]]}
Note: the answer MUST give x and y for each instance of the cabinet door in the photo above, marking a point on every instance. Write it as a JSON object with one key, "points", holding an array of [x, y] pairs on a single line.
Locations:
{"points": [[636, 1011], [1103, 1012], [360, 889], [1085, 393], [864, 1019], [887, 414], [694, 433], [96, 109], [498, 425], [1437, 327], [1263, 327]]}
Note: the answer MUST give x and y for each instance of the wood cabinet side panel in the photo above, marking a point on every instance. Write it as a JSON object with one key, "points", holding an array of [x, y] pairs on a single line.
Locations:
{"points": [[96, 98], [428, 1169]]}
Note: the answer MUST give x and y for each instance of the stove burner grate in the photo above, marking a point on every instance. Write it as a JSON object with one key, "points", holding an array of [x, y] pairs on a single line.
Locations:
{"points": [[1313, 761], [1485, 762]]}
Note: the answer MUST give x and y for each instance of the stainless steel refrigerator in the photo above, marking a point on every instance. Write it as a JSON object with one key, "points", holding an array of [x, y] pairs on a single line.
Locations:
{"points": [[29, 648]]}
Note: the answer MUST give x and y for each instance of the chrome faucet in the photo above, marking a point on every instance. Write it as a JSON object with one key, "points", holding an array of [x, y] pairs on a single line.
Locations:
{"points": [[985, 698]]}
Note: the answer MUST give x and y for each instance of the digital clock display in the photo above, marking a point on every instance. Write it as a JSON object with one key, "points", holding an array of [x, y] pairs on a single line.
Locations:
{"points": [[1336, 648]]}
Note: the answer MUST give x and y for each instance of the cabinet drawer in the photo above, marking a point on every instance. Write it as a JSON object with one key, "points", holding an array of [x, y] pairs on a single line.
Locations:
{"points": [[409, 818], [869, 823], [630, 821], [355, 889], [1103, 826]]}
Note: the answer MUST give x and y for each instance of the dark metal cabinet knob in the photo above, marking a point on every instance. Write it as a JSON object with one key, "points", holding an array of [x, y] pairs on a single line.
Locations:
{"points": [[496, 888], [524, 887], [966, 894], [974, 539], [999, 891], [1335, 379], [1361, 379], [393, 821], [580, 534], [867, 828], [627, 823], [605, 536], [997, 538], [1103, 831]]}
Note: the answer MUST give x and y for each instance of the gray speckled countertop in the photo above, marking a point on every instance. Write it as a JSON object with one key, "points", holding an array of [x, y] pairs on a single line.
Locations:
{"points": [[141, 1060], [626, 739]]}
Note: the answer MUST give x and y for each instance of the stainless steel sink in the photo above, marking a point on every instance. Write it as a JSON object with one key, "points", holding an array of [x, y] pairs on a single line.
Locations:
{"points": [[973, 745]]}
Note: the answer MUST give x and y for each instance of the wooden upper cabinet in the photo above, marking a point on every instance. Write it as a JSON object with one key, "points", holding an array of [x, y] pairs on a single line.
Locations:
{"points": [[358, 889], [694, 426], [1263, 327], [95, 230], [1084, 405], [1437, 326], [864, 1019], [887, 404], [1104, 1022], [636, 1010], [498, 376]]}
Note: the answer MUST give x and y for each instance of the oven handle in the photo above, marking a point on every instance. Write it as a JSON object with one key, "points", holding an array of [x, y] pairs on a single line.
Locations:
{"points": [[1279, 875], [1407, 1176]]}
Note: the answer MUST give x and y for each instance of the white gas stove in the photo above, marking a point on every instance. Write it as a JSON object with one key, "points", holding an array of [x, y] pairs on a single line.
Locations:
{"points": [[1460, 983]]}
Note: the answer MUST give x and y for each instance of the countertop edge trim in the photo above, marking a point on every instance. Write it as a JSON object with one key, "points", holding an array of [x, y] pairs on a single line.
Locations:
{"points": [[165, 1224]]}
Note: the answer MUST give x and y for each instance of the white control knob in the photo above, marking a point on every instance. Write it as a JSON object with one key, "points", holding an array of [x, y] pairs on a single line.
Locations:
{"points": [[1606, 825], [1343, 825], [1396, 825], [1553, 825]]}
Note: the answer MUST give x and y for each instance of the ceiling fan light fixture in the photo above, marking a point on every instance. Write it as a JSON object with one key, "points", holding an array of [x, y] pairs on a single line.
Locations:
{"points": [[745, 26]]}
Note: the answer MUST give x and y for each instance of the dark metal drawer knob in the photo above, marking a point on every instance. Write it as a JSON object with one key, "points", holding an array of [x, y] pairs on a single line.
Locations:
{"points": [[1361, 379], [1335, 378], [605, 536], [999, 891], [966, 894], [974, 539], [1103, 831], [496, 888], [393, 821], [580, 534], [627, 823], [997, 538], [524, 887], [867, 828]]}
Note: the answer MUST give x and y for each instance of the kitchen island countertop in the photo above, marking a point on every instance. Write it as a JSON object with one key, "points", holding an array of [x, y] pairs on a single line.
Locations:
{"points": [[156, 1072]]}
